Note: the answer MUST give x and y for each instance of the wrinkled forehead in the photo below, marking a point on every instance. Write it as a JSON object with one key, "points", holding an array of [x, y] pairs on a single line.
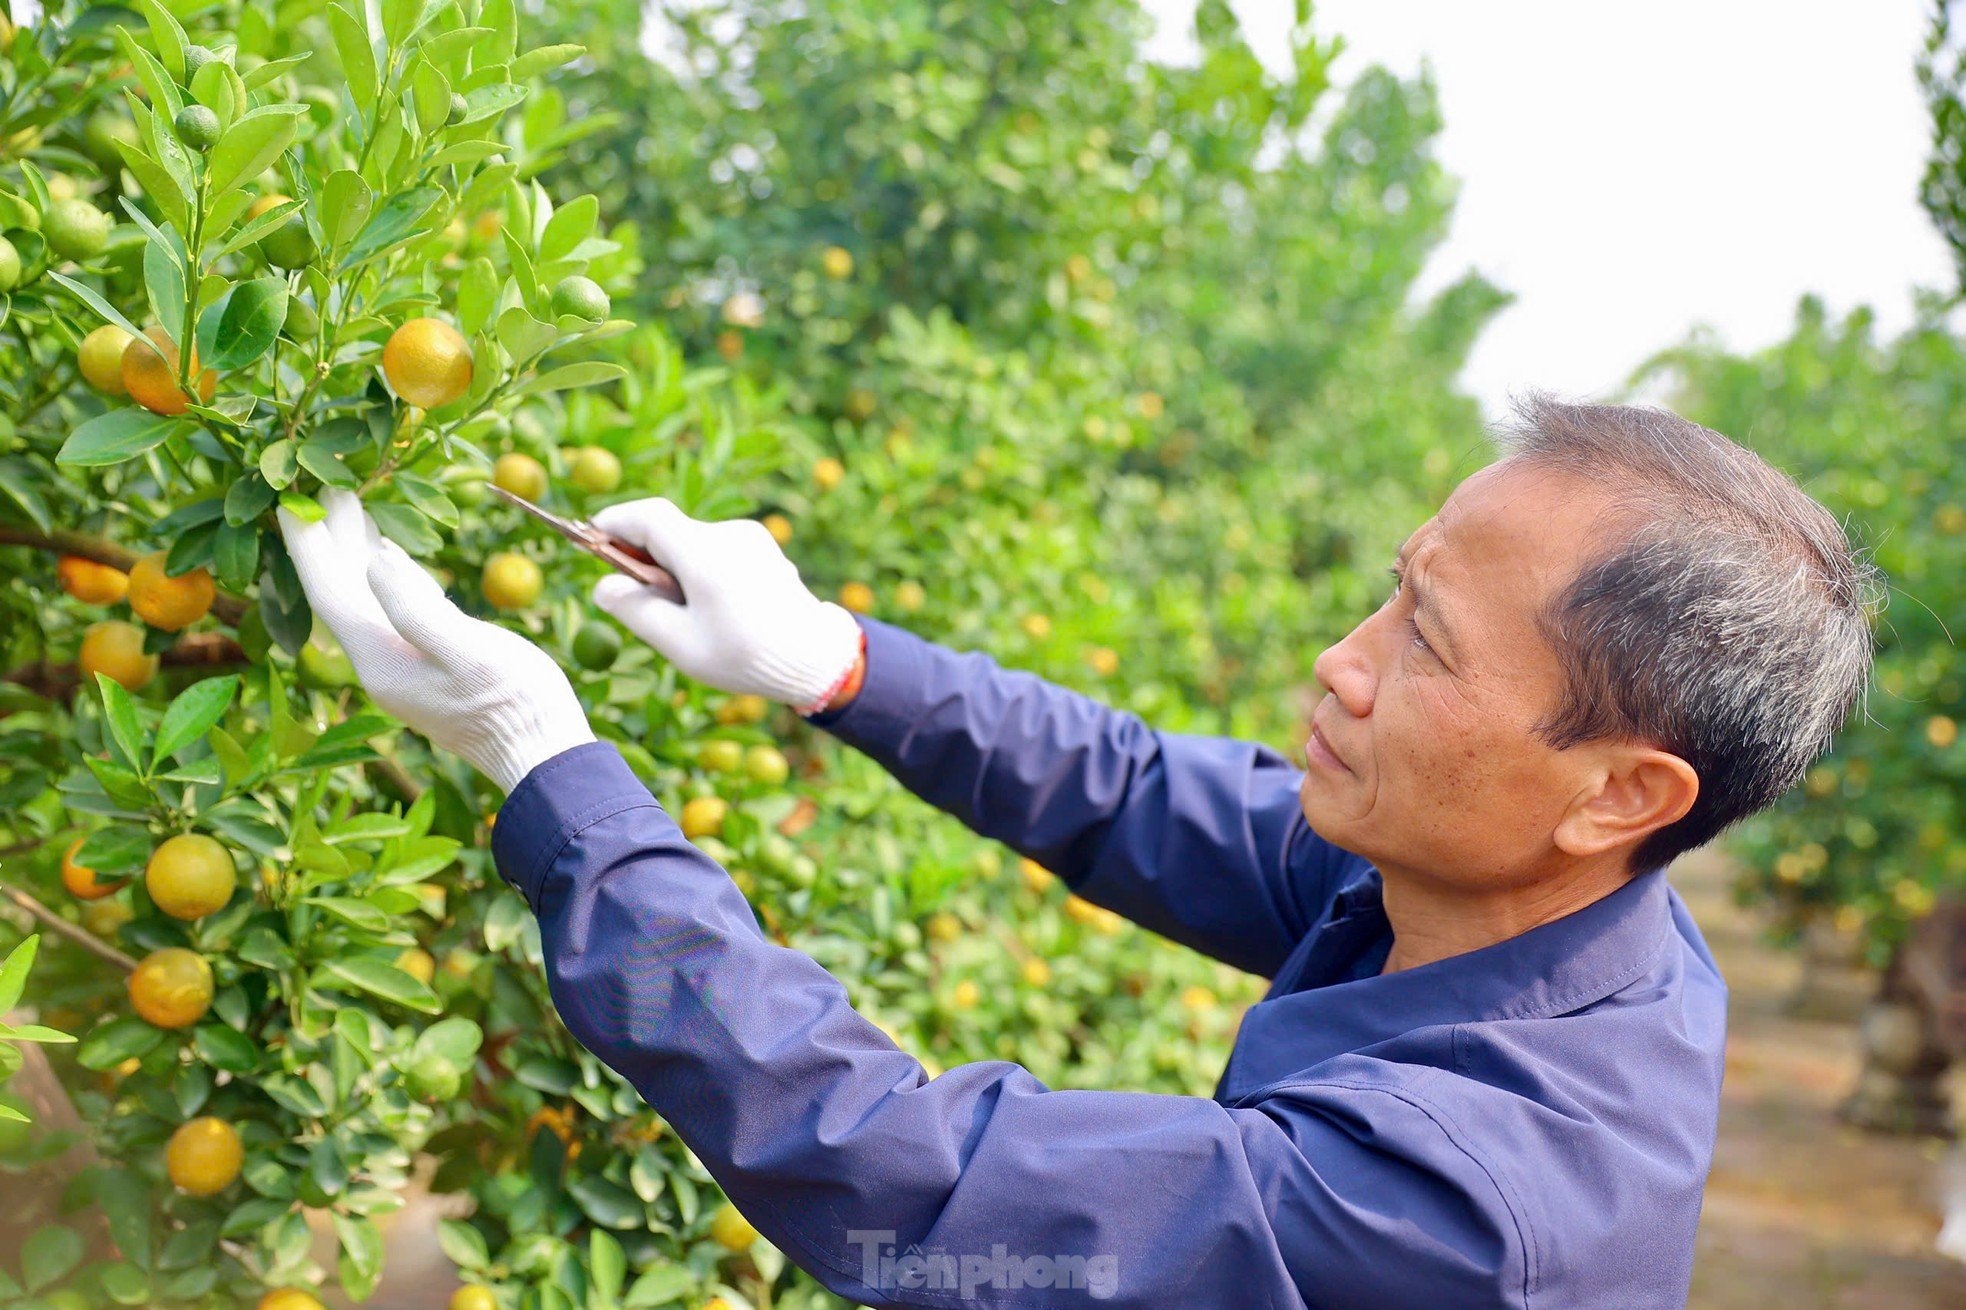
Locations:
{"points": [[1506, 541]]}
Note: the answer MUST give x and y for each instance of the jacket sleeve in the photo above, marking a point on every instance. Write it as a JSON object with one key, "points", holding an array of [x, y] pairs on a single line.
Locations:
{"points": [[979, 1186], [1201, 839]]}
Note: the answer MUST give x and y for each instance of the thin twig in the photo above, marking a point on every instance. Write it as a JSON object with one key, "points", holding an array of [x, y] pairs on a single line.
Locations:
{"points": [[196, 650], [55, 923], [229, 608], [394, 778]]}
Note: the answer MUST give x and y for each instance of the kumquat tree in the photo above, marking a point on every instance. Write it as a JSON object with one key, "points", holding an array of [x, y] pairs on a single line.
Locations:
{"points": [[254, 249]]}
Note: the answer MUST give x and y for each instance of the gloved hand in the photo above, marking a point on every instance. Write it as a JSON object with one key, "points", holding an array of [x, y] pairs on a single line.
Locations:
{"points": [[473, 688], [748, 624]]}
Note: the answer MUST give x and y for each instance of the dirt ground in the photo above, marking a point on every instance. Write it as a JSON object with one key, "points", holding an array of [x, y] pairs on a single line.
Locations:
{"points": [[1804, 1212]]}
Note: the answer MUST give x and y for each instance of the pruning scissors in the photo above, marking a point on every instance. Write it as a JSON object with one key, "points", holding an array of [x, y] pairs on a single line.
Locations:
{"points": [[631, 560]]}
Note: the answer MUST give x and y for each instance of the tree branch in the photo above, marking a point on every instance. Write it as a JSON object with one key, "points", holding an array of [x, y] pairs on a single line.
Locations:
{"points": [[197, 650], [55, 923], [394, 778], [229, 608]]}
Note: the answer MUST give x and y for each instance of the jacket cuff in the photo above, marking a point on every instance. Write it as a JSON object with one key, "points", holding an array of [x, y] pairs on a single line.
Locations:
{"points": [[570, 792], [888, 702]]}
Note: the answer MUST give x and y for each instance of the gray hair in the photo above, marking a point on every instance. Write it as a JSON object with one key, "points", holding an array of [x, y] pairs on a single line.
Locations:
{"points": [[1730, 623]]}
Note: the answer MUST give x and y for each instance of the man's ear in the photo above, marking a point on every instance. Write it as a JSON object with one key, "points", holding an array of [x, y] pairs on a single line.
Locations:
{"points": [[1638, 792]]}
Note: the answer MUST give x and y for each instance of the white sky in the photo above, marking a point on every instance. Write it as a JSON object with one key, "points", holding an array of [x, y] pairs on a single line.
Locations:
{"points": [[1630, 168]]}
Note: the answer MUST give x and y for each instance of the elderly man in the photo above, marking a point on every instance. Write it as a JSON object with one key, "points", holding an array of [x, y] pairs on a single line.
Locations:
{"points": [[1488, 1067]]}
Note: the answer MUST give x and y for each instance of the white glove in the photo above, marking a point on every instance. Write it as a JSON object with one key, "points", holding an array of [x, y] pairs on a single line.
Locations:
{"points": [[748, 624], [473, 688]]}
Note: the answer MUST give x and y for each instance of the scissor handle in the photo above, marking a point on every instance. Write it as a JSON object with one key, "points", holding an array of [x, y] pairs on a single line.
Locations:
{"points": [[637, 564]]}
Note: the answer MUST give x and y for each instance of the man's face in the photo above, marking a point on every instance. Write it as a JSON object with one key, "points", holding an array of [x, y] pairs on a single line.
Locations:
{"points": [[1433, 697]]}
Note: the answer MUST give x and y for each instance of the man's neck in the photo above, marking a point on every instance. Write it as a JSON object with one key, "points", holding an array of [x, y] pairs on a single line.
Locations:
{"points": [[1432, 920]]}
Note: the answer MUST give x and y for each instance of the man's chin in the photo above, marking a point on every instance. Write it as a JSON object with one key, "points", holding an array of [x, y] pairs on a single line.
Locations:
{"points": [[1314, 796]]}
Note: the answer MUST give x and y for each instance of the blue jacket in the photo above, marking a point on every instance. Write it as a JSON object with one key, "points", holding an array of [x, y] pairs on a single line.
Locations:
{"points": [[1529, 1124]]}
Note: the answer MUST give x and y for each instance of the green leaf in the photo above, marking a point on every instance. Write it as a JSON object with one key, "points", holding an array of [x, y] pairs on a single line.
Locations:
{"points": [[116, 436], [305, 508], [607, 1203], [235, 554], [89, 296], [543, 60], [546, 1074], [357, 914], [273, 69], [607, 1264], [217, 87], [168, 151], [255, 228], [361, 1254], [121, 714], [279, 462], [115, 850], [271, 1180], [318, 457], [253, 1214], [447, 49], [385, 981], [48, 1255], [125, 1284], [370, 826], [224, 1048], [587, 373], [13, 973], [394, 223], [570, 225], [195, 711], [455, 1041], [252, 143], [247, 320], [428, 498], [430, 92], [490, 102], [108, 1045], [262, 947], [500, 17], [477, 296], [660, 1286], [296, 1094], [357, 58], [163, 279], [230, 755], [249, 497], [406, 527], [400, 18], [159, 182], [522, 335], [168, 35], [35, 1032], [122, 785], [467, 152], [159, 82], [345, 204], [17, 480], [463, 1245]]}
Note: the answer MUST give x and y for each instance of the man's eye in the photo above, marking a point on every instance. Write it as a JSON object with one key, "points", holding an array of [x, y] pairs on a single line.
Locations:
{"points": [[1412, 624]]}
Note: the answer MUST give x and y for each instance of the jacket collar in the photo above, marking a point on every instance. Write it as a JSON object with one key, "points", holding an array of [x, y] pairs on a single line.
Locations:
{"points": [[1318, 1008]]}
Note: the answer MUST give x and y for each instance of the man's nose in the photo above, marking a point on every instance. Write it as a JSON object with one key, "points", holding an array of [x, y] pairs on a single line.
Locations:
{"points": [[1348, 669]]}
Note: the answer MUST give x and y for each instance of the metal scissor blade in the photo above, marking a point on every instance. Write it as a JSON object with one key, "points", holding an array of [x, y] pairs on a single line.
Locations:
{"points": [[565, 527], [623, 557]]}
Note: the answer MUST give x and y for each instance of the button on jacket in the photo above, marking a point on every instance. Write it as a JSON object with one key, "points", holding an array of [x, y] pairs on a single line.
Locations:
{"points": [[1528, 1124]]}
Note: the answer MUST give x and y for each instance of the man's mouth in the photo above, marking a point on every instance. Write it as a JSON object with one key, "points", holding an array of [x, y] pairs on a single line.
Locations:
{"points": [[1319, 751]]}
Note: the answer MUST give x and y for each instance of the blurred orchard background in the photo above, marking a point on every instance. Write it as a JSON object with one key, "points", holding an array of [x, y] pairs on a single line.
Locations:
{"points": [[1125, 342]]}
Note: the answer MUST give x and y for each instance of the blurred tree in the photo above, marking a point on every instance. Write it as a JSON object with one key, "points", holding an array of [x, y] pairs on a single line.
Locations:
{"points": [[1942, 77]]}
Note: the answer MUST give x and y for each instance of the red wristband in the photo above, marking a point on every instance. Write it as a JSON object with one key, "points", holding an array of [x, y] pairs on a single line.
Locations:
{"points": [[826, 696]]}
